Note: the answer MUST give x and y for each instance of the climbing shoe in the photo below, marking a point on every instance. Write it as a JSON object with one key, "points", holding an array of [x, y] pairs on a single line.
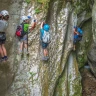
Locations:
{"points": [[2, 59], [5, 58], [45, 58]]}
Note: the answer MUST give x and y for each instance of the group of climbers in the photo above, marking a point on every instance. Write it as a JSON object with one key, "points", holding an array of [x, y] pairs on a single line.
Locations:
{"points": [[4, 16], [22, 33], [26, 27]]}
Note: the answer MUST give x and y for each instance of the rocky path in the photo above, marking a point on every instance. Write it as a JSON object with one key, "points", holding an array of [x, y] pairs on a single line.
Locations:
{"points": [[89, 83]]}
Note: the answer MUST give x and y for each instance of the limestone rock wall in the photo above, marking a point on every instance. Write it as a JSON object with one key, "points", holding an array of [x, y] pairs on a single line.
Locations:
{"points": [[59, 76], [92, 52], [7, 69]]}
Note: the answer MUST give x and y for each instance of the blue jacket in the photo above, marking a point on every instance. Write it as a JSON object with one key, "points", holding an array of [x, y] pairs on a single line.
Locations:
{"points": [[78, 30]]}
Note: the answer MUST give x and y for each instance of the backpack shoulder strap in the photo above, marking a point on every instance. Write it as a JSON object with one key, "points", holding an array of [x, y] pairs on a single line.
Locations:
{"points": [[22, 26]]}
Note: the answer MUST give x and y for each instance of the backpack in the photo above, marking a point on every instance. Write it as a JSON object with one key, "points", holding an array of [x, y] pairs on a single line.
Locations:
{"points": [[80, 34], [20, 30], [46, 37], [80, 31]]}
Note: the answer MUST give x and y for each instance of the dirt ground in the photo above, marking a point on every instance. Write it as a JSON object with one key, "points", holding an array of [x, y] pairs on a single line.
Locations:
{"points": [[88, 83]]}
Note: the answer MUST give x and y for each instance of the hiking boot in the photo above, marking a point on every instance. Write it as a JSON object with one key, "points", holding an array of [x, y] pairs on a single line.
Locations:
{"points": [[5, 58], [2, 59], [45, 58]]}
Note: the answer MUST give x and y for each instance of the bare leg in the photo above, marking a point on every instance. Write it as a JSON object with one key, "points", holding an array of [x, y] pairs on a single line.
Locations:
{"points": [[21, 47], [4, 50], [45, 52], [26, 46], [1, 51]]}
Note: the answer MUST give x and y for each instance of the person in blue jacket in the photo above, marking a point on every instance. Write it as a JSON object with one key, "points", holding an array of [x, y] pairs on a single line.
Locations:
{"points": [[77, 36]]}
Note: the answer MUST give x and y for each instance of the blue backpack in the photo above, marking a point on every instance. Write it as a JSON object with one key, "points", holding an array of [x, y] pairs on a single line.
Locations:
{"points": [[80, 34], [80, 30]]}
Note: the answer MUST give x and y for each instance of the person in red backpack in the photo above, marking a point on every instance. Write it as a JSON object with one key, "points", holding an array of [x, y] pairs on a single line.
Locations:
{"points": [[24, 39]]}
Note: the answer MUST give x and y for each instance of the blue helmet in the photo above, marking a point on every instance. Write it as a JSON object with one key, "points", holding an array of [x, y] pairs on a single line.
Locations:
{"points": [[29, 17], [46, 27]]}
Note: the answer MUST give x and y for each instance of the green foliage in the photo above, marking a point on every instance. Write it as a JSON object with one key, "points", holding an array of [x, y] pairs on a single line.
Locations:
{"points": [[82, 5], [32, 74], [81, 60], [42, 5], [37, 11], [28, 1], [41, 1]]}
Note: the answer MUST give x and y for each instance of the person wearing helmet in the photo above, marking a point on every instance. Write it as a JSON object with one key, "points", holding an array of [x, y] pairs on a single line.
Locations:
{"points": [[27, 28], [44, 28], [29, 17], [0, 16], [77, 36], [5, 15], [3, 27]]}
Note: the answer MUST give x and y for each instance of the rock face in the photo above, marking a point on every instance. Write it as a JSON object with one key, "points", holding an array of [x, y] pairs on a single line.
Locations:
{"points": [[92, 52], [59, 76], [7, 69]]}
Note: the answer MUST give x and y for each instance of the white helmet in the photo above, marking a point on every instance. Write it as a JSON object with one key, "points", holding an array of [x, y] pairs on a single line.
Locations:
{"points": [[4, 13], [24, 18]]}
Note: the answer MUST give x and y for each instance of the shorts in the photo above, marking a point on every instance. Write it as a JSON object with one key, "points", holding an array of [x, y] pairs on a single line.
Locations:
{"points": [[77, 38], [24, 39], [44, 45], [75, 41], [2, 41]]}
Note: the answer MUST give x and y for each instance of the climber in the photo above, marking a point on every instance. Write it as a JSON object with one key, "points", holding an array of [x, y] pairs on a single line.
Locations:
{"points": [[3, 27], [0, 16], [24, 38], [77, 36], [45, 39]]}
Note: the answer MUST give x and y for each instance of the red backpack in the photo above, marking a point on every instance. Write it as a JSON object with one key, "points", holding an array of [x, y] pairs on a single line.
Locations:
{"points": [[19, 31]]}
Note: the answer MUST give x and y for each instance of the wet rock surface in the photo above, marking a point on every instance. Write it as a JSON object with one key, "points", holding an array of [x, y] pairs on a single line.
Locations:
{"points": [[89, 83]]}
